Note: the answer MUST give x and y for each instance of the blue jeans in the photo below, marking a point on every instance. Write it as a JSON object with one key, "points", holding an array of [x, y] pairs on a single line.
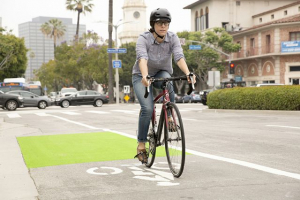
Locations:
{"points": [[147, 103]]}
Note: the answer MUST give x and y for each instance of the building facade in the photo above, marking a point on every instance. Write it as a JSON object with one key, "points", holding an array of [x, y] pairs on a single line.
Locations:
{"points": [[229, 14], [268, 32], [134, 19], [270, 50], [41, 48]]}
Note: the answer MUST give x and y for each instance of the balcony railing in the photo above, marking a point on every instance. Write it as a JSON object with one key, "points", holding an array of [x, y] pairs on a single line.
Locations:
{"points": [[256, 51]]}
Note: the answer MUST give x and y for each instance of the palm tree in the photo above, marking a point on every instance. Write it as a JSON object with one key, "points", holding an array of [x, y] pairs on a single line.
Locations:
{"points": [[81, 6], [53, 29]]}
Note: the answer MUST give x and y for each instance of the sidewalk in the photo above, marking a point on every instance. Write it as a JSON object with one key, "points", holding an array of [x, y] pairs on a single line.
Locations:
{"points": [[15, 180]]}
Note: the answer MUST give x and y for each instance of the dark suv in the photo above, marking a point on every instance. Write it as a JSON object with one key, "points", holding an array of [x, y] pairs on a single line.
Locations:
{"points": [[10, 102]]}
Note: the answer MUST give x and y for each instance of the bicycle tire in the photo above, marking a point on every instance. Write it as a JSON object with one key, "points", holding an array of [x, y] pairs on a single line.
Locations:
{"points": [[175, 141], [151, 145]]}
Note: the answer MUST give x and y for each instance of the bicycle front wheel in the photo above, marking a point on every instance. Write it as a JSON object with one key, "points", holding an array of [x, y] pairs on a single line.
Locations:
{"points": [[151, 145], [174, 140]]}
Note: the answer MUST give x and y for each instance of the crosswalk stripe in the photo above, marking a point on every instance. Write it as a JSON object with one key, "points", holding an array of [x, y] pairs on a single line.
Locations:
{"points": [[13, 115], [42, 114], [71, 113], [97, 112], [126, 111]]}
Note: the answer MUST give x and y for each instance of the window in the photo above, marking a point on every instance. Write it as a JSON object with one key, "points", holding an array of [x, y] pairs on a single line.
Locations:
{"points": [[260, 19], [295, 36], [206, 17], [294, 68], [285, 12], [268, 43], [272, 16], [270, 81], [238, 3], [239, 43], [252, 43], [197, 21]]}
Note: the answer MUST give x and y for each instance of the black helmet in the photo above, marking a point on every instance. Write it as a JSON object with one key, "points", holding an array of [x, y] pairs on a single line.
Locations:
{"points": [[159, 14]]}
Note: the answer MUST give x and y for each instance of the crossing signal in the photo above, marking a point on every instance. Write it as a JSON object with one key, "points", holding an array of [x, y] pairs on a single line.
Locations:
{"points": [[231, 68]]}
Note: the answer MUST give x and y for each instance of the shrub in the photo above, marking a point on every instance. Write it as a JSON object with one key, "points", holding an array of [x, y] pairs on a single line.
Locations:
{"points": [[256, 98]]}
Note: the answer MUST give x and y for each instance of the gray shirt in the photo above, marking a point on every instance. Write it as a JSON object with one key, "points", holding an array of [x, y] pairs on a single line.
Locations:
{"points": [[159, 55]]}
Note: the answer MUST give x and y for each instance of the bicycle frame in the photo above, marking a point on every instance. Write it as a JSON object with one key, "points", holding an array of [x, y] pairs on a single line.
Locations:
{"points": [[166, 100]]}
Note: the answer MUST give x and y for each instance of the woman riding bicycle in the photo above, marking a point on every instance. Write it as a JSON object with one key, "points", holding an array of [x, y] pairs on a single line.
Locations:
{"points": [[154, 50]]}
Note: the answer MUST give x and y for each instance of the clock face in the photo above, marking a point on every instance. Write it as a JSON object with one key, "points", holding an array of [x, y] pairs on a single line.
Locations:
{"points": [[136, 14]]}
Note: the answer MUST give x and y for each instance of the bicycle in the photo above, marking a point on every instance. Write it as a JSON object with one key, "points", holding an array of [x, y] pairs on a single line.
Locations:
{"points": [[170, 121]]}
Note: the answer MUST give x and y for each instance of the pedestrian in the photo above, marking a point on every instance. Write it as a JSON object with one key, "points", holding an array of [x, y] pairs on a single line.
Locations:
{"points": [[154, 50]]}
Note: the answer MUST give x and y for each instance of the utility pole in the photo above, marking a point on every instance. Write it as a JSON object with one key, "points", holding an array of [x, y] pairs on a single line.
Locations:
{"points": [[110, 72]]}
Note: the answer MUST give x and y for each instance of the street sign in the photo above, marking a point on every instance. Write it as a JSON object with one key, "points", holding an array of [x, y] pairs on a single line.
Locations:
{"points": [[195, 47], [126, 98], [117, 64], [126, 89], [112, 50], [122, 50], [45, 88]]}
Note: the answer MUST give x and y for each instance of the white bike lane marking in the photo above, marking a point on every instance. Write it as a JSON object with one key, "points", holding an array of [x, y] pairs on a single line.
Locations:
{"points": [[161, 178], [292, 127], [205, 155]]}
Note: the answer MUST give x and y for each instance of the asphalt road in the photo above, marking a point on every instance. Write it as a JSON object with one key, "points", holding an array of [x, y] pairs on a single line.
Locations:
{"points": [[234, 155]]}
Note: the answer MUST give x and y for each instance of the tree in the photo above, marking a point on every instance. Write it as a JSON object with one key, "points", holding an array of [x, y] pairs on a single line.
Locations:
{"points": [[13, 59], [81, 6], [204, 60], [53, 29]]}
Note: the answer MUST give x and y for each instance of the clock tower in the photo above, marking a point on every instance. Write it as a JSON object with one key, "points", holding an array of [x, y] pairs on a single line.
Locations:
{"points": [[134, 12]]}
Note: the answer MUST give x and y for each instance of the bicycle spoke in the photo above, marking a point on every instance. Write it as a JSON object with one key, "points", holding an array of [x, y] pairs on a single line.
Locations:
{"points": [[175, 143]]}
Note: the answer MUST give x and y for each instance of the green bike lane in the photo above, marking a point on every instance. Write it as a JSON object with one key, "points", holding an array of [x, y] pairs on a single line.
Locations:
{"points": [[99, 165]]}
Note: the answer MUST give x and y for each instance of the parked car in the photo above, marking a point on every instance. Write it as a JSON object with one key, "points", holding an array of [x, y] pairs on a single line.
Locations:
{"points": [[10, 102], [178, 98], [195, 97], [64, 92], [31, 99], [87, 97], [186, 99], [203, 95]]}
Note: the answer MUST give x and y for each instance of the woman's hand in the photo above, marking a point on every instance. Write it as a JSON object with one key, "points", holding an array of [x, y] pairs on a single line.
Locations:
{"points": [[145, 81], [189, 80]]}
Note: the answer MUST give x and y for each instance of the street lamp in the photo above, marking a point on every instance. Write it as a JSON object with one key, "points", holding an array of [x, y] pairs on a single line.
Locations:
{"points": [[116, 46]]}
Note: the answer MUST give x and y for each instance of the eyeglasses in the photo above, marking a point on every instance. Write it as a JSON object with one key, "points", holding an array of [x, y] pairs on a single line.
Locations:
{"points": [[160, 23]]}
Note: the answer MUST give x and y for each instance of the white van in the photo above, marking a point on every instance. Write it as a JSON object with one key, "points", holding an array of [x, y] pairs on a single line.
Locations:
{"points": [[268, 84]]}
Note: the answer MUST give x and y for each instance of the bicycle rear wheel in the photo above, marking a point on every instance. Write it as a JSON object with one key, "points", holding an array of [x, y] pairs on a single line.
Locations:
{"points": [[151, 145], [174, 140]]}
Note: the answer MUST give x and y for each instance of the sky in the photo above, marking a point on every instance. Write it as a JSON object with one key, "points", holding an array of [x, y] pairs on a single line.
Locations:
{"points": [[15, 12]]}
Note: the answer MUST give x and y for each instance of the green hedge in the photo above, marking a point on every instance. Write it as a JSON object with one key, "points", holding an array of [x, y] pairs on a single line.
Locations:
{"points": [[256, 98]]}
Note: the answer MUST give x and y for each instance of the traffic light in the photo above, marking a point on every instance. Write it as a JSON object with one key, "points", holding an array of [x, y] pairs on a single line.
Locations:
{"points": [[231, 68]]}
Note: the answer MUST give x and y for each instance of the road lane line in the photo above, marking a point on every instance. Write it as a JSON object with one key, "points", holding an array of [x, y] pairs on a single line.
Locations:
{"points": [[78, 123], [293, 127], [246, 164], [13, 115], [229, 160]]}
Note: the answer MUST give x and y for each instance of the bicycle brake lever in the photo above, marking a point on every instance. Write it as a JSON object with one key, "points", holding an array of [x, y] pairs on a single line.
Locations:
{"points": [[147, 89]]}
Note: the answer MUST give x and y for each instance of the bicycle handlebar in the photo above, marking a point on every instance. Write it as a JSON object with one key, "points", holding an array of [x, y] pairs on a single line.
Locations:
{"points": [[179, 78]]}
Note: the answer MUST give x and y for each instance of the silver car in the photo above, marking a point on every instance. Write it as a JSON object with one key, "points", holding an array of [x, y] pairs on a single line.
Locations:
{"points": [[31, 99]]}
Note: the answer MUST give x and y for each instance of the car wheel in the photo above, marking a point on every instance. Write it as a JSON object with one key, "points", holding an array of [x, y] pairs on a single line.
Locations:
{"points": [[42, 105], [11, 105], [98, 103], [65, 104]]}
